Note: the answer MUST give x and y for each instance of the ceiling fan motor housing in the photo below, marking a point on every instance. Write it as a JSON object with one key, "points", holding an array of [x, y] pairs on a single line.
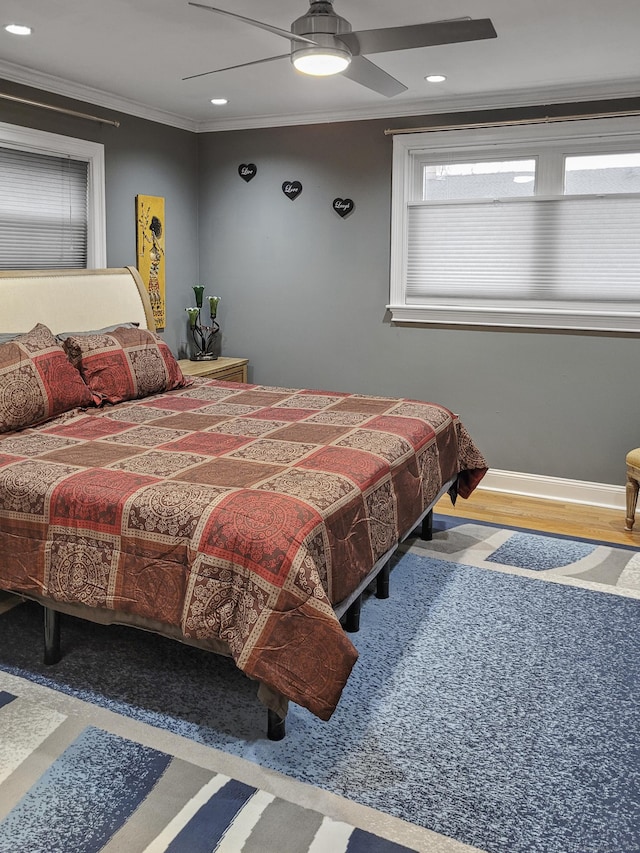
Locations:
{"points": [[323, 26]]}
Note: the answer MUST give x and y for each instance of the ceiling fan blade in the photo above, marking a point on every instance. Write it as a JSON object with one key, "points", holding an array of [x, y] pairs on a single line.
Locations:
{"points": [[242, 65], [276, 30], [363, 71], [419, 35]]}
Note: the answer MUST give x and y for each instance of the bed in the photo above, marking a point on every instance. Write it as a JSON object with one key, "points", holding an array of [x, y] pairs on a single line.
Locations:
{"points": [[241, 518]]}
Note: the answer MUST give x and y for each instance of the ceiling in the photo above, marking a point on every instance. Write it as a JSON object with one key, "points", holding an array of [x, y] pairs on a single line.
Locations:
{"points": [[131, 56]]}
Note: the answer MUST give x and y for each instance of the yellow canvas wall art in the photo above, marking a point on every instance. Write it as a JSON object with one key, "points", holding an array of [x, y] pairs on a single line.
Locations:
{"points": [[150, 252]]}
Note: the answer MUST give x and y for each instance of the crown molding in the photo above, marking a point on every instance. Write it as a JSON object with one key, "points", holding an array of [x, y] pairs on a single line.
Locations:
{"points": [[388, 110], [88, 95], [436, 106]]}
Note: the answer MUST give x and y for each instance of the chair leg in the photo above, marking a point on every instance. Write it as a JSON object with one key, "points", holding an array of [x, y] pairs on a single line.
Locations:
{"points": [[632, 501]]}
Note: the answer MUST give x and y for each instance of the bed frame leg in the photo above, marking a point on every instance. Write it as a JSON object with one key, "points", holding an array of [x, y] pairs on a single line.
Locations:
{"points": [[51, 636], [352, 625], [275, 725], [382, 581], [427, 527]]}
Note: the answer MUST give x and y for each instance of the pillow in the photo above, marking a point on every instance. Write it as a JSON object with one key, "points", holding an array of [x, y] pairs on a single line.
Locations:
{"points": [[37, 382], [62, 336], [125, 364]]}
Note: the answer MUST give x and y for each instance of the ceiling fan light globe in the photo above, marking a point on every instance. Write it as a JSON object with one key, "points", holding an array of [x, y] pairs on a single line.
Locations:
{"points": [[320, 62]]}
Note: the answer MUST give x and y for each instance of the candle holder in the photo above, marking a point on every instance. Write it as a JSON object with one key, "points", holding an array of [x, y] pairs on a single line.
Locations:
{"points": [[203, 335]]}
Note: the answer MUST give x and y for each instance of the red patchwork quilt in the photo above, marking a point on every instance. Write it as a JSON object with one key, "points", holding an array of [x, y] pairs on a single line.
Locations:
{"points": [[230, 512]]}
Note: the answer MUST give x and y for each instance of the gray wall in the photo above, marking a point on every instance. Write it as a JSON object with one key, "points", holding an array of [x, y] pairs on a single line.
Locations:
{"points": [[304, 292], [304, 295], [141, 158]]}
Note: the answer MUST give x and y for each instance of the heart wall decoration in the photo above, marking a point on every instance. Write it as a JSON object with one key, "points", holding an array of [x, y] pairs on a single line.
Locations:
{"points": [[292, 189], [247, 171], [343, 206]]}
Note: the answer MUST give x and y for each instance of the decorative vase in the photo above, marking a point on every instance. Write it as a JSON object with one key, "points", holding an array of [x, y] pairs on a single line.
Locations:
{"points": [[203, 335]]}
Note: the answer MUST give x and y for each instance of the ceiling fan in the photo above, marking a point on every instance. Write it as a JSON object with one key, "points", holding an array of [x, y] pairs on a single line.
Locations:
{"points": [[323, 43]]}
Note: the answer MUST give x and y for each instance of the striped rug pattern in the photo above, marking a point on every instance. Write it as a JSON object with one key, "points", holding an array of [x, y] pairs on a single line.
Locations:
{"points": [[494, 709], [68, 787]]}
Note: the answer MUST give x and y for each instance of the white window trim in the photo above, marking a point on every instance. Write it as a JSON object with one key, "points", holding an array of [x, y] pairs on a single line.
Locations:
{"points": [[558, 140], [40, 141]]}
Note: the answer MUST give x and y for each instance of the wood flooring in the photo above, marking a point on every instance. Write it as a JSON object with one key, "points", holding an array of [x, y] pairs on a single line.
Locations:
{"points": [[545, 516]]}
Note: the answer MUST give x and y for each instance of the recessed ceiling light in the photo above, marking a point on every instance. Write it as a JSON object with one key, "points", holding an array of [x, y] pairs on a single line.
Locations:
{"points": [[18, 30], [435, 78], [219, 102], [523, 179]]}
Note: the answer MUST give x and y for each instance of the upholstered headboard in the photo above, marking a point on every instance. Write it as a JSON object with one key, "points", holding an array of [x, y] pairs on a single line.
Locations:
{"points": [[73, 300]]}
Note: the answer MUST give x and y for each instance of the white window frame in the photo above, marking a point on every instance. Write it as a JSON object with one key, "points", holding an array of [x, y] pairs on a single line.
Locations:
{"points": [[549, 143], [43, 142]]}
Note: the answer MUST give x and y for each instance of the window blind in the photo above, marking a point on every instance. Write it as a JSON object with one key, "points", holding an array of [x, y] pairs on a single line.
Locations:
{"points": [[43, 211], [582, 248]]}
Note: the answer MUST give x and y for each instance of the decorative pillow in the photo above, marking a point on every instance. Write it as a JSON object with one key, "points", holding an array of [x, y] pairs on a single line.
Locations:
{"points": [[36, 380], [124, 364], [62, 336]]}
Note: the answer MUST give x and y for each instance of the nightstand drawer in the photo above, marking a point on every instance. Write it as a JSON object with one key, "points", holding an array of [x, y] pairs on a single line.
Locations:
{"points": [[229, 369]]}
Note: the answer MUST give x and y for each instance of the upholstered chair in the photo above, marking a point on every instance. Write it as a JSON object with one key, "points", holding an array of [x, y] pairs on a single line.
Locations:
{"points": [[633, 483]]}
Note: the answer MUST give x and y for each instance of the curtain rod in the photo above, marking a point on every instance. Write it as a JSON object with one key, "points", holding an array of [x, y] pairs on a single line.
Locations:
{"points": [[58, 109], [510, 122]]}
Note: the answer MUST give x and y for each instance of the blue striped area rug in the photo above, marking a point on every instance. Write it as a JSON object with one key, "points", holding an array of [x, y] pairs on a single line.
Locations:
{"points": [[68, 787], [495, 705]]}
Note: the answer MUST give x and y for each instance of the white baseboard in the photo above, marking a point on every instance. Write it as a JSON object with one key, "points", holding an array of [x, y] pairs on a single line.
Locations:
{"points": [[555, 489]]}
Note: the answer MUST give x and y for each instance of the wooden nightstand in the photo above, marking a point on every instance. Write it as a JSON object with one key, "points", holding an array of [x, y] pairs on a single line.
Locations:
{"points": [[229, 369]]}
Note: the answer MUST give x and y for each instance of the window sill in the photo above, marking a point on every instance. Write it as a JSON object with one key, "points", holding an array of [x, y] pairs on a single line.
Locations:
{"points": [[579, 318]]}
